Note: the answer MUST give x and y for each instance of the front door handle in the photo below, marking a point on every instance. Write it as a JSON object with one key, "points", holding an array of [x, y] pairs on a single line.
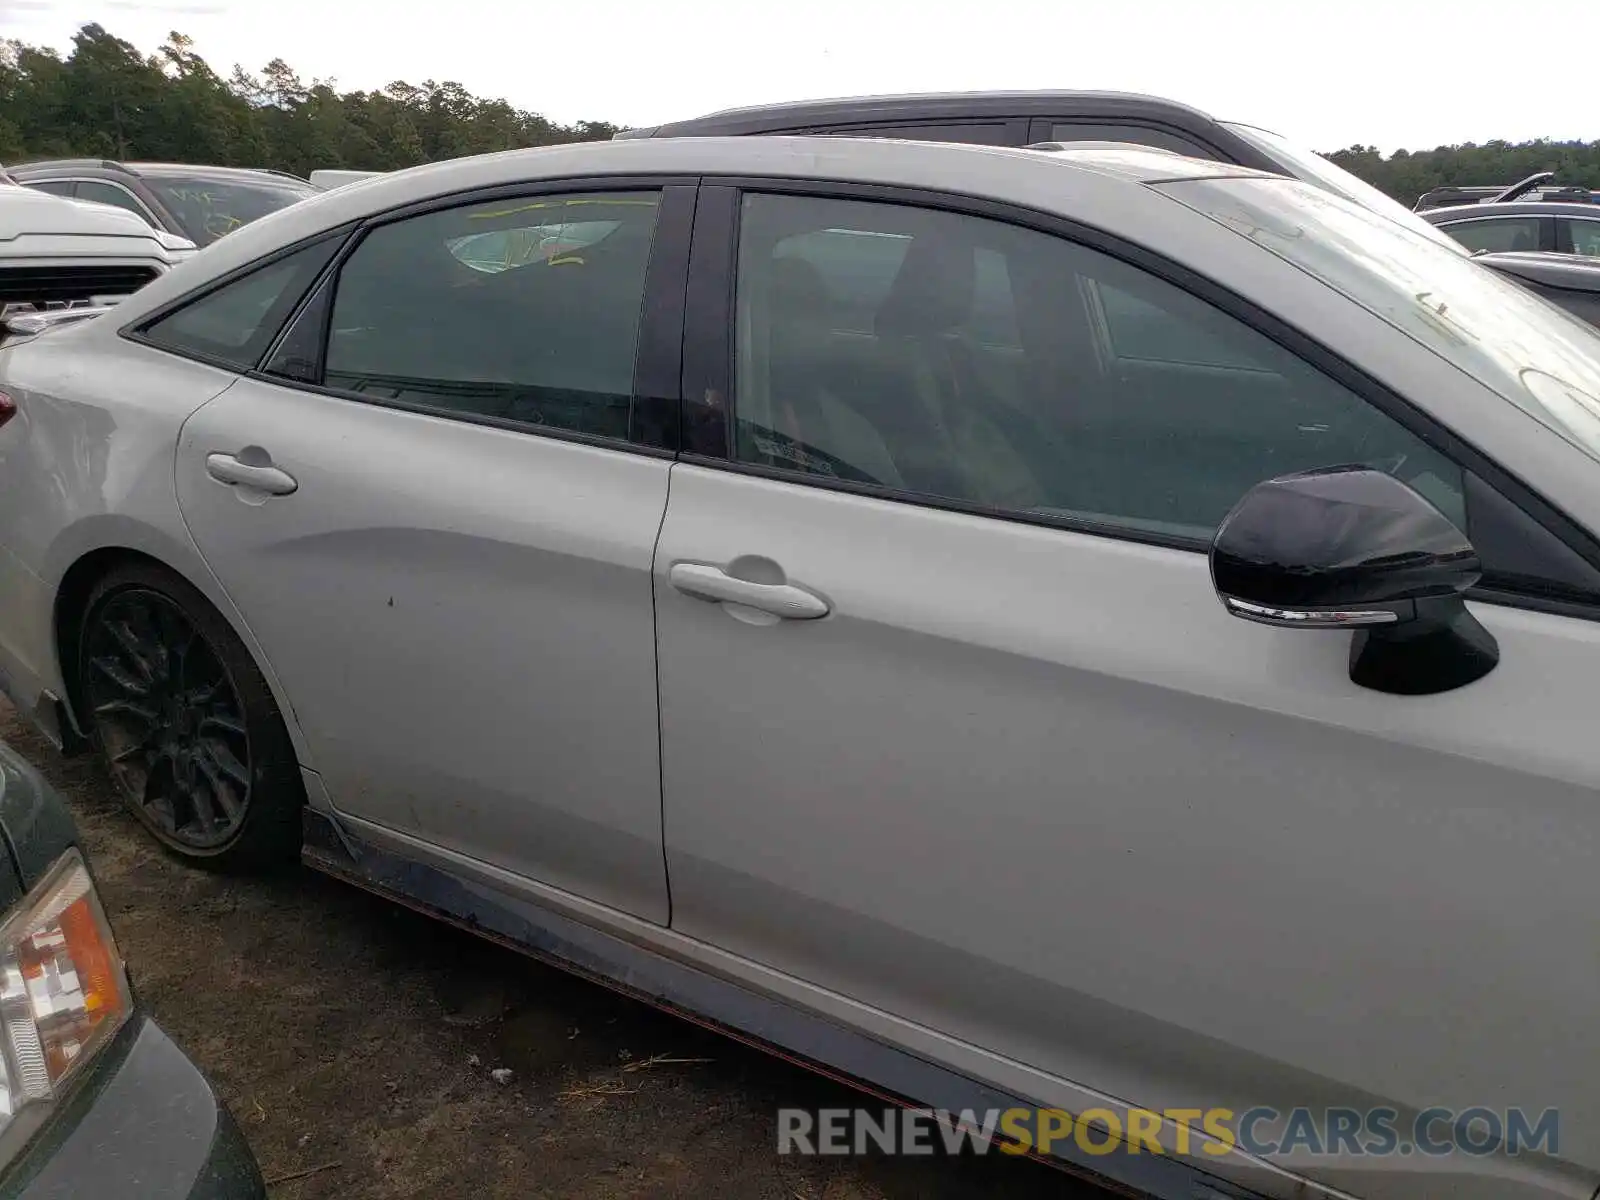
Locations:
{"points": [[784, 600], [225, 468]]}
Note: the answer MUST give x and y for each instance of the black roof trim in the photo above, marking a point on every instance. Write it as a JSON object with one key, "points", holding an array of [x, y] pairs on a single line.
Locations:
{"points": [[69, 164], [138, 169], [1511, 208], [173, 168], [925, 106]]}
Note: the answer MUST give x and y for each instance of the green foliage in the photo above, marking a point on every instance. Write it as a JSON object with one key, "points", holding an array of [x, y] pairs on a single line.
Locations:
{"points": [[1407, 174], [107, 99]]}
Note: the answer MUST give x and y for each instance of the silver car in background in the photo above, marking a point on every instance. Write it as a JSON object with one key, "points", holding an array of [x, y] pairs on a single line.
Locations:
{"points": [[1097, 630]]}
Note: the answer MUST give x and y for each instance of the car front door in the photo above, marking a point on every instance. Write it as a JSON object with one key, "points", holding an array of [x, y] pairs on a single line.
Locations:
{"points": [[955, 727], [439, 524]]}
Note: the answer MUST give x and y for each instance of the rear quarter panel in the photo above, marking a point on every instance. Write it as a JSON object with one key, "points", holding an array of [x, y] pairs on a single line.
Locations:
{"points": [[87, 466]]}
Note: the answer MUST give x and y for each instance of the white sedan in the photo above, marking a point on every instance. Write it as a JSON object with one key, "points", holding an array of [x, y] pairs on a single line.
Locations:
{"points": [[1089, 630]]}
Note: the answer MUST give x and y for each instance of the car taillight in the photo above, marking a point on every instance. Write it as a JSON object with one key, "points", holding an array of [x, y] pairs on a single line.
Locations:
{"points": [[8, 408]]}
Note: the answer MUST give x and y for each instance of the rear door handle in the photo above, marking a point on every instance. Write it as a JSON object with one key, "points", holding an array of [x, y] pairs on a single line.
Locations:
{"points": [[784, 600], [225, 468]]}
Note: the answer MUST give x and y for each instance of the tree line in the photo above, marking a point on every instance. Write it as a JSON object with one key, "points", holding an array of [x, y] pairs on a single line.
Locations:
{"points": [[107, 99]]}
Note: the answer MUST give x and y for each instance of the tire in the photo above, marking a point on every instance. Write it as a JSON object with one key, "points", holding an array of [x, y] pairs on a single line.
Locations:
{"points": [[185, 723]]}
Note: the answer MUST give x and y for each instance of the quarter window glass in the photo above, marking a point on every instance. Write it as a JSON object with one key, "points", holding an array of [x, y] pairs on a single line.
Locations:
{"points": [[105, 193], [1504, 233], [523, 310], [56, 187], [1585, 237], [1102, 393], [234, 324]]}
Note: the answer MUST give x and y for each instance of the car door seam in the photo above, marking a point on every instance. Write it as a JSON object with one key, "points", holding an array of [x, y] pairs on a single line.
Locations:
{"points": [[655, 645], [237, 618]]}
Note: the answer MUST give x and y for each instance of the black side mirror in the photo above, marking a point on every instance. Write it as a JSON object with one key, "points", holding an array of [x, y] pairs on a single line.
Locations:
{"points": [[1354, 548]]}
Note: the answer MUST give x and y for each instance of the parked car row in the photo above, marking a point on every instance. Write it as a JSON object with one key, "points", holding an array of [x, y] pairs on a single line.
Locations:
{"points": [[1043, 119], [1539, 186], [1522, 225], [204, 203], [56, 253], [197, 202]]}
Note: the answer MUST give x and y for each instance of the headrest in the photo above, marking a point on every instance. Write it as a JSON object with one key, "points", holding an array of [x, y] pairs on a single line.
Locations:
{"points": [[933, 291], [797, 286]]}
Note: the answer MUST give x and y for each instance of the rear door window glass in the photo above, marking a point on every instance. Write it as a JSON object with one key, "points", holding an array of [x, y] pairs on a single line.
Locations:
{"points": [[523, 310]]}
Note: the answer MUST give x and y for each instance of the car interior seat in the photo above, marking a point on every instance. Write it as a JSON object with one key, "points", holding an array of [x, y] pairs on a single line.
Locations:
{"points": [[928, 404], [810, 383]]}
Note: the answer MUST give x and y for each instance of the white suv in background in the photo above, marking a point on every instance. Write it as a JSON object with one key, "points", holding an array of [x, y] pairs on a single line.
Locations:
{"points": [[57, 253]]}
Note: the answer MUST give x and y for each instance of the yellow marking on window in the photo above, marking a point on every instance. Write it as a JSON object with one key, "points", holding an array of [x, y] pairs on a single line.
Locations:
{"points": [[564, 203]]}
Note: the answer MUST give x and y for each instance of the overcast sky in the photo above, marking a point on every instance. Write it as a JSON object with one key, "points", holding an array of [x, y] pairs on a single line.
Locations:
{"points": [[1329, 73]]}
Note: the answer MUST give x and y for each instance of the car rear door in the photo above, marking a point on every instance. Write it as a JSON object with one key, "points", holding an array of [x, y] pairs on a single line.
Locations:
{"points": [[438, 521], [954, 727]]}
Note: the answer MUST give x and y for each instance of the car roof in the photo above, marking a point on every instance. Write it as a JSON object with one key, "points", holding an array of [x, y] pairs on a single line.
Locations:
{"points": [[111, 168], [1573, 272], [1043, 181], [1513, 208], [919, 106], [204, 171]]}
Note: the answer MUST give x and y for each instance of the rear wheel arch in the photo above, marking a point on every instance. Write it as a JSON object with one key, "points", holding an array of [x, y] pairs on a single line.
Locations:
{"points": [[273, 792], [76, 589]]}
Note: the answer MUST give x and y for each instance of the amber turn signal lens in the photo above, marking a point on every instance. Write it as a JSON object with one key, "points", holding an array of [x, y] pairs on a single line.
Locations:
{"points": [[63, 987]]}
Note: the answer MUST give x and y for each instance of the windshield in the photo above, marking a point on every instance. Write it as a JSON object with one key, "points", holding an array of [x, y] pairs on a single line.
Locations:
{"points": [[1313, 168], [209, 206], [1539, 357]]}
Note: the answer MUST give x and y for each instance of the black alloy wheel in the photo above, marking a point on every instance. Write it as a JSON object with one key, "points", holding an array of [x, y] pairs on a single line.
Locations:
{"points": [[186, 723], [169, 720]]}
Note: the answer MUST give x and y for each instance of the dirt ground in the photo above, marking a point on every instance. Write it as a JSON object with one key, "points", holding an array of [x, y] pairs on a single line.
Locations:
{"points": [[354, 1040]]}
